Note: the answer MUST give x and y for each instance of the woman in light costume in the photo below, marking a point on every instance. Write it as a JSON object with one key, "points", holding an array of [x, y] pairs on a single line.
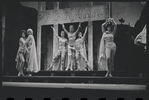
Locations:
{"points": [[21, 54], [81, 52], [61, 53], [107, 46], [32, 65], [71, 43]]}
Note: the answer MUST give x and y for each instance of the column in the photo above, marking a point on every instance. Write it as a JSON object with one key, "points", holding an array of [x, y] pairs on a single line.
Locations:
{"points": [[90, 43], [55, 40], [41, 7]]}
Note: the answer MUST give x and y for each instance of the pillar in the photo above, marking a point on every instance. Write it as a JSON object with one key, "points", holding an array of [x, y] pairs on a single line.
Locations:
{"points": [[55, 40], [41, 7], [90, 43]]}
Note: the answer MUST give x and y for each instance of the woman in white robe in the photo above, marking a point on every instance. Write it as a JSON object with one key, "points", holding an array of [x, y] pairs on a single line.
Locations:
{"points": [[32, 65]]}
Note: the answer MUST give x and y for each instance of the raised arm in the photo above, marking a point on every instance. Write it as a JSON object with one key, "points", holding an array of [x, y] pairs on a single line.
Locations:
{"points": [[115, 26], [63, 26], [54, 32], [85, 32], [78, 28], [103, 26]]}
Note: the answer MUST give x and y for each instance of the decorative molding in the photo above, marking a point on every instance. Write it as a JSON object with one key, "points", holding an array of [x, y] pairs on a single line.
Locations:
{"points": [[72, 15]]}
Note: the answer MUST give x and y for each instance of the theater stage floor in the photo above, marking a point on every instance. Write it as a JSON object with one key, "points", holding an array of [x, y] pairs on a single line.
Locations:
{"points": [[59, 84], [128, 87]]}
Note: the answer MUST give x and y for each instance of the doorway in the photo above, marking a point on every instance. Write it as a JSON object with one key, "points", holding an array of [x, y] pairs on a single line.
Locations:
{"points": [[97, 34], [46, 46]]}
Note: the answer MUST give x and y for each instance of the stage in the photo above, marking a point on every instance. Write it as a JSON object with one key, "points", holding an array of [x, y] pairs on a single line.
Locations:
{"points": [[128, 79], [74, 84], [91, 77], [121, 87]]}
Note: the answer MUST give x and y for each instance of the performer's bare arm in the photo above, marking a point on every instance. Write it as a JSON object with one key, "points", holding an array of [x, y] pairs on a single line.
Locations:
{"points": [[115, 26], [20, 42], [77, 29], [55, 33], [85, 33], [103, 26], [63, 26]]}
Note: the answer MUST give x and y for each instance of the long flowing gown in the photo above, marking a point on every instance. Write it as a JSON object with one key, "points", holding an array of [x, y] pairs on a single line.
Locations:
{"points": [[102, 62], [57, 65], [32, 65], [21, 53]]}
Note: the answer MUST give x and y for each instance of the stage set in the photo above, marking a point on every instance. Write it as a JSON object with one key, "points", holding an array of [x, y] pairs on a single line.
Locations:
{"points": [[91, 76]]}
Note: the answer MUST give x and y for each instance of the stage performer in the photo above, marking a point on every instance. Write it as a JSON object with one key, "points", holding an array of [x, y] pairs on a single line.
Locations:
{"points": [[71, 42], [21, 54], [32, 65], [107, 46], [61, 53], [140, 39], [81, 51]]}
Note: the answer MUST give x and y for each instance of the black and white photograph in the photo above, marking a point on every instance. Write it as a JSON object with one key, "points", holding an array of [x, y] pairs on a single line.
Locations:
{"points": [[61, 50]]}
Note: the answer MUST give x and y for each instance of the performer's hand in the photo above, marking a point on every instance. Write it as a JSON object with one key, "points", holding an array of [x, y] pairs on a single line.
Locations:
{"points": [[63, 25], [107, 21], [102, 57], [52, 27], [86, 28], [80, 24], [110, 19], [145, 47], [73, 48]]}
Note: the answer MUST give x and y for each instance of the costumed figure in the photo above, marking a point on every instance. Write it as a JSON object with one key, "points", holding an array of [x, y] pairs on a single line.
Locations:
{"points": [[32, 65], [21, 54], [107, 47], [81, 52], [61, 53], [71, 43]]}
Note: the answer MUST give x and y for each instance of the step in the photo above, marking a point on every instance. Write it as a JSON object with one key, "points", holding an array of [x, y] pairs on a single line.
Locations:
{"points": [[75, 79], [73, 91], [80, 73], [87, 73], [77, 86]]}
